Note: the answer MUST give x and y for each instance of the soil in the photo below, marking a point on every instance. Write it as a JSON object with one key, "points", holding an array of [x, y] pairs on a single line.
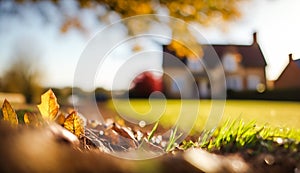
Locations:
{"points": [[26, 149]]}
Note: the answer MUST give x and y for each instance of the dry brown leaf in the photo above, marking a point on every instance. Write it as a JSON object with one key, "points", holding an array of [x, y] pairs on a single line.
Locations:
{"points": [[125, 132], [9, 113], [49, 106], [74, 124]]}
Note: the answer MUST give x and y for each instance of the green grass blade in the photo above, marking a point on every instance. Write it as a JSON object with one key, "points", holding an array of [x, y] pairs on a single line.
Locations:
{"points": [[153, 131]]}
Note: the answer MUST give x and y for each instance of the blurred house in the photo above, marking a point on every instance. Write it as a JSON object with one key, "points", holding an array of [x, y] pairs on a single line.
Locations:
{"points": [[290, 76], [12, 98], [243, 65]]}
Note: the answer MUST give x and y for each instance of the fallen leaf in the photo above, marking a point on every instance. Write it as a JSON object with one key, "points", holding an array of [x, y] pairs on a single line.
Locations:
{"points": [[74, 124], [21, 113], [123, 131], [63, 135], [49, 106], [31, 119], [60, 119], [9, 113], [93, 138], [113, 140]]}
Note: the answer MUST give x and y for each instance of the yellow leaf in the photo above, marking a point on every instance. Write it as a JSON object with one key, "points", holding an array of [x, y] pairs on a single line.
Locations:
{"points": [[9, 113], [26, 118], [49, 106], [60, 119], [31, 119], [74, 124]]}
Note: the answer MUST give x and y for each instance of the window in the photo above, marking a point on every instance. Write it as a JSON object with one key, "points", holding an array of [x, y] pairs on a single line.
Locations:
{"points": [[252, 82], [177, 84], [194, 65], [229, 62], [234, 83]]}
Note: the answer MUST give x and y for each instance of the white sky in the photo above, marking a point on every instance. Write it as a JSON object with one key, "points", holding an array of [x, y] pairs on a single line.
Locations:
{"points": [[276, 21]]}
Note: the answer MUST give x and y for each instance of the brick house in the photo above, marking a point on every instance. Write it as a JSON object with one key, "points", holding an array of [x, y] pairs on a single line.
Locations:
{"points": [[243, 65], [290, 76]]}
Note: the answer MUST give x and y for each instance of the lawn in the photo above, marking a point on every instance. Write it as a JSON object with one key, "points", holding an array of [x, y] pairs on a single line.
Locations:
{"points": [[273, 113], [275, 149]]}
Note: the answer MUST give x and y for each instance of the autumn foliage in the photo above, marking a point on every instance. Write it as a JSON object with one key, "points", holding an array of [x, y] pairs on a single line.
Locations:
{"points": [[48, 112], [9, 113], [201, 12]]}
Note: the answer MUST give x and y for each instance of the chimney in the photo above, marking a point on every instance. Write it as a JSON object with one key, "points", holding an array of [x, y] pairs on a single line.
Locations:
{"points": [[254, 38], [290, 57]]}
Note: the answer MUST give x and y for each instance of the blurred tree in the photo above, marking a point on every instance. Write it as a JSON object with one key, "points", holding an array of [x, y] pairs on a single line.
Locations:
{"points": [[23, 76], [203, 12], [102, 94], [184, 42]]}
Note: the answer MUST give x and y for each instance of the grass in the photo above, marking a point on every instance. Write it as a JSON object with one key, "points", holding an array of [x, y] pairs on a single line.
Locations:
{"points": [[236, 135], [172, 140], [233, 136], [153, 131], [255, 125], [271, 113]]}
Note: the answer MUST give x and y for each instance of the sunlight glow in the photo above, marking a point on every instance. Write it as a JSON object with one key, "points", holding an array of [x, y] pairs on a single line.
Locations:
{"points": [[276, 23]]}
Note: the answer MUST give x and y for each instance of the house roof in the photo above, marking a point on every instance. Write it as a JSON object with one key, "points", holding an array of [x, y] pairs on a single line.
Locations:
{"points": [[293, 66], [288, 77], [251, 55]]}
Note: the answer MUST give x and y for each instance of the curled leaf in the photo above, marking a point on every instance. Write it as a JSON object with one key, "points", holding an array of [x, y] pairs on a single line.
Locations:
{"points": [[9, 113], [49, 106], [123, 131], [31, 119], [74, 124], [21, 113]]}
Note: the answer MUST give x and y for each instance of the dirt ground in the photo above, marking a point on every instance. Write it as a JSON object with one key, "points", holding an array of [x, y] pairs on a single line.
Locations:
{"points": [[45, 149], [40, 150]]}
